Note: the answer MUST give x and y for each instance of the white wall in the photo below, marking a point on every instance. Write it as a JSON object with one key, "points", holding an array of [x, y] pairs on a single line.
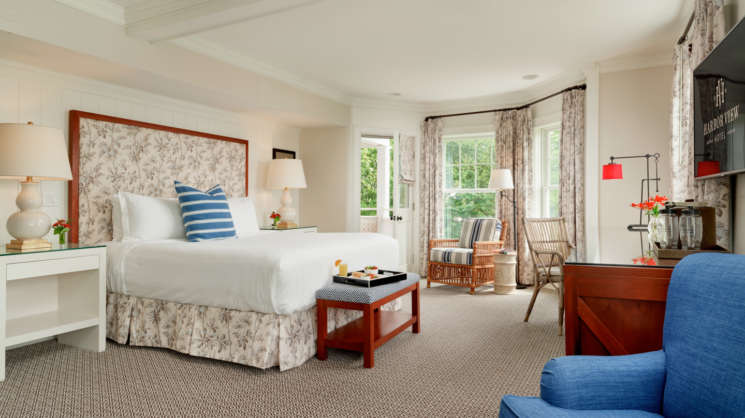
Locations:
{"points": [[634, 119], [31, 94], [325, 153]]}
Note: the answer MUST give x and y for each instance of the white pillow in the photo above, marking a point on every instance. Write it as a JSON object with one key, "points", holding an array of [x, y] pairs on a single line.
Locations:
{"points": [[244, 216], [152, 217], [119, 219]]}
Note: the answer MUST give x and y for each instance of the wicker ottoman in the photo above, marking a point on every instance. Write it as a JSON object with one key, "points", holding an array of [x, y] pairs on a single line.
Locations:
{"points": [[376, 326]]}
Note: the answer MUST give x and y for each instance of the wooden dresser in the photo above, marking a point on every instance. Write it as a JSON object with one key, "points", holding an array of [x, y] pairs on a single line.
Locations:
{"points": [[614, 309]]}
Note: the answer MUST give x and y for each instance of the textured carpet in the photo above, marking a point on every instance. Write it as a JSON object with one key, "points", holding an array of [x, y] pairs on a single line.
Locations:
{"points": [[472, 350]]}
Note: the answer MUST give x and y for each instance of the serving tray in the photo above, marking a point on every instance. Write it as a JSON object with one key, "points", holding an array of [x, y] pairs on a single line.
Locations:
{"points": [[384, 277]]}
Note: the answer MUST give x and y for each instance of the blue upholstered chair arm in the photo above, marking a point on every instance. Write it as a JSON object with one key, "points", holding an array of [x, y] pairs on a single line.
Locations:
{"points": [[605, 383], [525, 407]]}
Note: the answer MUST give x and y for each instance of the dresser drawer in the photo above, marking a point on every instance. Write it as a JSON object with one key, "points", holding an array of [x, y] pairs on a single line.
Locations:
{"points": [[18, 271]]}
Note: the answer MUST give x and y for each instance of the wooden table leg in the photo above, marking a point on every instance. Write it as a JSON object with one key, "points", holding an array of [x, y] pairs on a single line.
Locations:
{"points": [[415, 309], [368, 349], [322, 321]]}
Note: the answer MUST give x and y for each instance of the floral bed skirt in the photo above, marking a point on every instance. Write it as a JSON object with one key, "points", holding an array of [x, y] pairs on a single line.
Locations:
{"points": [[251, 338]]}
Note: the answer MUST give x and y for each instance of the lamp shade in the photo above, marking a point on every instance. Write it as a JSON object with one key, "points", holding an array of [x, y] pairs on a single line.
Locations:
{"points": [[285, 173], [33, 151], [612, 171], [501, 179]]}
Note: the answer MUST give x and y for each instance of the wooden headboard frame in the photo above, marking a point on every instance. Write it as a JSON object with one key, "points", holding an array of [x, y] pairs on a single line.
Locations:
{"points": [[73, 208]]}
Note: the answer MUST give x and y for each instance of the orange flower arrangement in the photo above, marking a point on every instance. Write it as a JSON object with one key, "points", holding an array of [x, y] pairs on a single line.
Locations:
{"points": [[651, 205], [649, 261]]}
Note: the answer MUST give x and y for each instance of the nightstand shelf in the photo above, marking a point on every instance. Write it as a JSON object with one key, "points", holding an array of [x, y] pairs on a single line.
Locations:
{"points": [[34, 327], [59, 292]]}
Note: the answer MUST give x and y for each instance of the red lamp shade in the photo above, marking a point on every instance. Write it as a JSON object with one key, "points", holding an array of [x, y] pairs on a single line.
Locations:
{"points": [[707, 168], [612, 171]]}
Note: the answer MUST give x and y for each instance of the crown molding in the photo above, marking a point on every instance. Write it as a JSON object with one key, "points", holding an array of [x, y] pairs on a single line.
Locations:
{"points": [[636, 62], [102, 8], [218, 52]]}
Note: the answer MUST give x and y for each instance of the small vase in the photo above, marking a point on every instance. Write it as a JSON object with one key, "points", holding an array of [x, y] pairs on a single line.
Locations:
{"points": [[62, 239], [276, 222], [654, 229]]}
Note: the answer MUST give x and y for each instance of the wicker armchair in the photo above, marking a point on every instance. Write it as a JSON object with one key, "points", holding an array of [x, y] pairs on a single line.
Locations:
{"points": [[471, 267], [549, 246]]}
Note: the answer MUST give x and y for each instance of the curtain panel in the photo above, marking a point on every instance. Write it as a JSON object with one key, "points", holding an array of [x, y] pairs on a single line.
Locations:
{"points": [[407, 159], [707, 30], [430, 189], [513, 140], [572, 157]]}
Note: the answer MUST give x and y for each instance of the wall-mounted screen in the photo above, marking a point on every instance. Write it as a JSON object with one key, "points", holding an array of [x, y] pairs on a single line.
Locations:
{"points": [[719, 108]]}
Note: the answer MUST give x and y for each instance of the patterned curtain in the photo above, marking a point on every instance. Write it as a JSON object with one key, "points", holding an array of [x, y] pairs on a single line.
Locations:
{"points": [[430, 188], [407, 159], [572, 194], [513, 138], [707, 30]]}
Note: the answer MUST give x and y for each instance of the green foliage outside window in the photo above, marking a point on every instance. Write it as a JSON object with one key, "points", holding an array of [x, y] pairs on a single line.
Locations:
{"points": [[468, 165], [369, 180]]}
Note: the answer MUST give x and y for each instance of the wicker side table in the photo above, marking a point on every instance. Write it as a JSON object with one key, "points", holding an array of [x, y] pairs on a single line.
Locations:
{"points": [[504, 272]]}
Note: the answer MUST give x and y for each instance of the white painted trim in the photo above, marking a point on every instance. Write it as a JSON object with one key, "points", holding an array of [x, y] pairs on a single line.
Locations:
{"points": [[636, 62], [102, 8], [592, 161], [218, 52]]}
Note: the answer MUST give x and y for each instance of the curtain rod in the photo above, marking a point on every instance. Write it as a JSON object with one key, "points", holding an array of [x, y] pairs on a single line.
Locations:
{"points": [[683, 37], [577, 87]]}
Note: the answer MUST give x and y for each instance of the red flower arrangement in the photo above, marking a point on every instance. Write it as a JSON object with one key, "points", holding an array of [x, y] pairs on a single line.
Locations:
{"points": [[651, 205], [61, 227], [275, 218]]}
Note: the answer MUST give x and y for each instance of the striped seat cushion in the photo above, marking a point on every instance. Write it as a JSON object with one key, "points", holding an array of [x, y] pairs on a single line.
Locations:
{"points": [[206, 215], [479, 229], [462, 256]]}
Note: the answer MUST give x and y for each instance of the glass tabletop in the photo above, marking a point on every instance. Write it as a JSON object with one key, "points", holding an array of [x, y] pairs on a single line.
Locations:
{"points": [[622, 248], [55, 247], [275, 228]]}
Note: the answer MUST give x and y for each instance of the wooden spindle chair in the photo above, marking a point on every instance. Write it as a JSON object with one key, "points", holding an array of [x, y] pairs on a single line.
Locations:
{"points": [[548, 242]]}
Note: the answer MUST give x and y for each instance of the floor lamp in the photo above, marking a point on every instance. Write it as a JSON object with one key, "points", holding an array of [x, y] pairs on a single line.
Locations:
{"points": [[501, 180]]}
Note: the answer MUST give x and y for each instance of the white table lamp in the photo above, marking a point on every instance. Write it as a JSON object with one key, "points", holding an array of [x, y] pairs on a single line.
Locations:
{"points": [[501, 179], [285, 174], [31, 153]]}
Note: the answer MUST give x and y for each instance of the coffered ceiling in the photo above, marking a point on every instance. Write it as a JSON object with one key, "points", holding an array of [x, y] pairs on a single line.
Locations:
{"points": [[420, 51]]}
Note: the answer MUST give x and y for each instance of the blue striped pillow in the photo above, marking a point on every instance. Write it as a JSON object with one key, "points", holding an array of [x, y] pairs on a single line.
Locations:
{"points": [[206, 215]]}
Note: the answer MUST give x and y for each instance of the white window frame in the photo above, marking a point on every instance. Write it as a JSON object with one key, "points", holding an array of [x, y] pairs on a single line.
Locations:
{"points": [[541, 172], [492, 163]]}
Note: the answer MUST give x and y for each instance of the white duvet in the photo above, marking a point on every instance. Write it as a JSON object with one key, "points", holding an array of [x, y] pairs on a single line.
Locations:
{"points": [[271, 272]]}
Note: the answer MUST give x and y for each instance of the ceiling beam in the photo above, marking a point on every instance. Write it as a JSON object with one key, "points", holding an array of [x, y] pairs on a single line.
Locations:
{"points": [[160, 20]]}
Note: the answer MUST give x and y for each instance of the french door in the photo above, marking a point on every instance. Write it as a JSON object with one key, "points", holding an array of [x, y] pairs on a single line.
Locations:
{"points": [[386, 201]]}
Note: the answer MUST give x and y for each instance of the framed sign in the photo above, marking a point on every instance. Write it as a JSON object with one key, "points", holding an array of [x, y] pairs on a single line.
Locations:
{"points": [[282, 154]]}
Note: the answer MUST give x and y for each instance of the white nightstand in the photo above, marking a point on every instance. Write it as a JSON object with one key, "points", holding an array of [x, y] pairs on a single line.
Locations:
{"points": [[59, 292], [297, 229]]}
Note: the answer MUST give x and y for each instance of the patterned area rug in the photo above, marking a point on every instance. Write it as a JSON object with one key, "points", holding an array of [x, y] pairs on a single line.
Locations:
{"points": [[472, 350]]}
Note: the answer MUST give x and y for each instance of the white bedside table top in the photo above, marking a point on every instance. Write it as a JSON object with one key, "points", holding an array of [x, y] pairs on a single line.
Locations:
{"points": [[55, 248], [274, 228]]}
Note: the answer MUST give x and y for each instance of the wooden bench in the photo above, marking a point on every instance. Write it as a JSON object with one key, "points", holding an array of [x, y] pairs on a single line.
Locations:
{"points": [[376, 326]]}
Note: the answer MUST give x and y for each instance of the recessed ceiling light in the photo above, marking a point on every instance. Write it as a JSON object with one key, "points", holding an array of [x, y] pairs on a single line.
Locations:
{"points": [[530, 76], [396, 94]]}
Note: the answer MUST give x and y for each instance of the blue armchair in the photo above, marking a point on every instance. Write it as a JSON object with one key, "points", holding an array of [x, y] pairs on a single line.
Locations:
{"points": [[700, 371]]}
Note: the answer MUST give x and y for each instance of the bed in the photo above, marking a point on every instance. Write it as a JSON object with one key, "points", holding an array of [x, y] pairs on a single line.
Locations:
{"points": [[248, 300]]}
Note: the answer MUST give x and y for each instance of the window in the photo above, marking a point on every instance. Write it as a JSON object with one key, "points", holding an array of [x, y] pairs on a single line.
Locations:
{"points": [[369, 181], [376, 185], [547, 149], [469, 160]]}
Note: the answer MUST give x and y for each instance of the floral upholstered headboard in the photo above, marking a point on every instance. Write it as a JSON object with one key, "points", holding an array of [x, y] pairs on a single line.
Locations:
{"points": [[110, 155]]}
